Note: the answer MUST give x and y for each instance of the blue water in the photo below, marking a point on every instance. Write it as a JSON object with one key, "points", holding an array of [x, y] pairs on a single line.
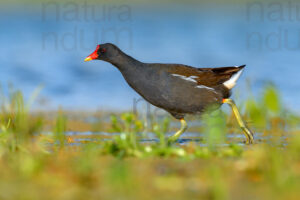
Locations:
{"points": [[39, 48], [188, 137]]}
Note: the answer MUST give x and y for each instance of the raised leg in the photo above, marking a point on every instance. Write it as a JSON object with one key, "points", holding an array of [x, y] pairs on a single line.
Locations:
{"points": [[183, 128], [243, 126]]}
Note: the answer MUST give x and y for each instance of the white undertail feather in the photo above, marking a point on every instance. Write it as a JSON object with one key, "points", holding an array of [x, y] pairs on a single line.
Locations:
{"points": [[232, 81]]}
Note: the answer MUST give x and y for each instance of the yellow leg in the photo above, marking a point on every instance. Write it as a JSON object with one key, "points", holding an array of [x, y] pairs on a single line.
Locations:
{"points": [[183, 128], [243, 126]]}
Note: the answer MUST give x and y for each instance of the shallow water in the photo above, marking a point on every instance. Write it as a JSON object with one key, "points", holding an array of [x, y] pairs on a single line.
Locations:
{"points": [[79, 138]]}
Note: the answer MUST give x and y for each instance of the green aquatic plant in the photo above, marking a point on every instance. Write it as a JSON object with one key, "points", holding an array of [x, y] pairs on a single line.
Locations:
{"points": [[128, 164], [271, 100], [265, 109], [21, 126], [60, 129], [214, 128]]}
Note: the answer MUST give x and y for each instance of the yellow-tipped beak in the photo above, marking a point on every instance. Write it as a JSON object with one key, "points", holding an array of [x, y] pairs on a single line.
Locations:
{"points": [[88, 59]]}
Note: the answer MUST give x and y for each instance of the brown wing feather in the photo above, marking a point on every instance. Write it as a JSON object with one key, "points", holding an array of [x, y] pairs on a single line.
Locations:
{"points": [[206, 76]]}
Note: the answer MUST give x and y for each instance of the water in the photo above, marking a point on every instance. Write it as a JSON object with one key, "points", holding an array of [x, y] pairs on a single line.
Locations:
{"points": [[39, 49], [79, 138]]}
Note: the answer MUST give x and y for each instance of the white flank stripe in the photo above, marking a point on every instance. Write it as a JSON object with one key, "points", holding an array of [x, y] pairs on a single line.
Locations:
{"points": [[176, 75], [190, 78], [205, 87], [232, 81]]}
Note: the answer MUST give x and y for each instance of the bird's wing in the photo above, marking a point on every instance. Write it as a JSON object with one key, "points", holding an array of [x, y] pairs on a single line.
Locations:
{"points": [[208, 76]]}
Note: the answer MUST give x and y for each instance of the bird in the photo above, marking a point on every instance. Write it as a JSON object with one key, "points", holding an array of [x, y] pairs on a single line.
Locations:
{"points": [[178, 89]]}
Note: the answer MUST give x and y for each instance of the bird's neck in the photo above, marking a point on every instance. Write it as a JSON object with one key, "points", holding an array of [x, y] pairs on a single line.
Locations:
{"points": [[125, 62], [131, 69]]}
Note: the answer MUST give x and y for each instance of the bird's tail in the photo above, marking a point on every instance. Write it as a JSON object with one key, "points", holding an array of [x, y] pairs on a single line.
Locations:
{"points": [[231, 82]]}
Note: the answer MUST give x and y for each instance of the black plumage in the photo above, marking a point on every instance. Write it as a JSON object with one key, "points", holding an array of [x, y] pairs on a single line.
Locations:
{"points": [[178, 89]]}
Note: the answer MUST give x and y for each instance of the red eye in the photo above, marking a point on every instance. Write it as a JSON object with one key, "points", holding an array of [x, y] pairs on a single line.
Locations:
{"points": [[103, 50]]}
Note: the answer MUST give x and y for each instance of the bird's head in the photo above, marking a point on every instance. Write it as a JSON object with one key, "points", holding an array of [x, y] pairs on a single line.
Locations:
{"points": [[106, 52]]}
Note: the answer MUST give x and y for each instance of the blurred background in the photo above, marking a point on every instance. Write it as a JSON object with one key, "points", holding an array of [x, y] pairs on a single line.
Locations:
{"points": [[44, 44], [80, 142]]}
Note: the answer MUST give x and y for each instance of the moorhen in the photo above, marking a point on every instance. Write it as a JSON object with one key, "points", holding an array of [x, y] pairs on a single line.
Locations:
{"points": [[178, 89]]}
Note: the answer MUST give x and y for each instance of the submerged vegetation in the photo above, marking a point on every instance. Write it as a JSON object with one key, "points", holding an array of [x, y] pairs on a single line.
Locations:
{"points": [[41, 159]]}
